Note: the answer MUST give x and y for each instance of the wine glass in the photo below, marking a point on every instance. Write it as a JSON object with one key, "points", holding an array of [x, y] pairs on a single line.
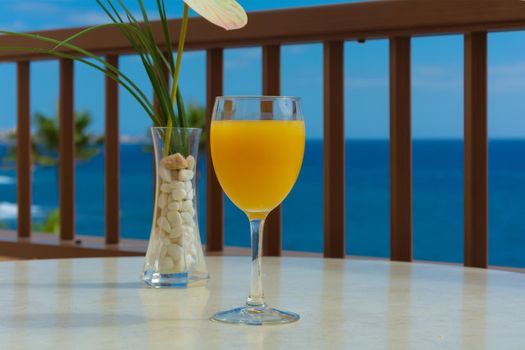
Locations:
{"points": [[257, 147]]}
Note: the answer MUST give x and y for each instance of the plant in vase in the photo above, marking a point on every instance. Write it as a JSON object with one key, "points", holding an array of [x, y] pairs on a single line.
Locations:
{"points": [[174, 256]]}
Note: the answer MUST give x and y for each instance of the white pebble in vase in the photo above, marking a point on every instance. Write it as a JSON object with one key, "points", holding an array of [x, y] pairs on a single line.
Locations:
{"points": [[165, 237], [166, 188], [185, 175], [163, 200], [187, 205], [175, 251], [163, 251], [178, 194], [176, 232], [178, 264], [188, 229], [175, 205], [187, 239], [174, 218], [187, 218], [164, 174], [178, 185], [163, 223]]}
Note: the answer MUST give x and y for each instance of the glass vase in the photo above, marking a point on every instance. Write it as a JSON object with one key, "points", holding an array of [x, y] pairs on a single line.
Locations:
{"points": [[175, 257]]}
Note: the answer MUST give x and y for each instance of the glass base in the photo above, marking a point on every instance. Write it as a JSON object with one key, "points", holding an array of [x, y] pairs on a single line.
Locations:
{"points": [[174, 280], [255, 316]]}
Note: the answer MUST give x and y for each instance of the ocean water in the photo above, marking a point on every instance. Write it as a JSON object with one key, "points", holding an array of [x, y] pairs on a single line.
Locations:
{"points": [[437, 188]]}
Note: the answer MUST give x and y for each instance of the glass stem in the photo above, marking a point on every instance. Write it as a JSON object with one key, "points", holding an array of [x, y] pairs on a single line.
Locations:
{"points": [[256, 296]]}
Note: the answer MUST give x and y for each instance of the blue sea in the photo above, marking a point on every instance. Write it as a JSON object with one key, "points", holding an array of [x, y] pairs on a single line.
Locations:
{"points": [[437, 187]]}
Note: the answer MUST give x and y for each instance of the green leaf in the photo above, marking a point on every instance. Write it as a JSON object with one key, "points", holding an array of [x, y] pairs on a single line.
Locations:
{"points": [[51, 223], [82, 32], [157, 63], [107, 68], [180, 109], [154, 62], [167, 38]]}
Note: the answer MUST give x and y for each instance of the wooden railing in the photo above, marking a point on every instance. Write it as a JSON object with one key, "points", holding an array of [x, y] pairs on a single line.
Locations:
{"points": [[397, 21]]}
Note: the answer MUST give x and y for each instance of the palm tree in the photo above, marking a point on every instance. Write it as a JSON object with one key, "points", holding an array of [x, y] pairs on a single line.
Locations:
{"points": [[45, 141], [45, 151]]}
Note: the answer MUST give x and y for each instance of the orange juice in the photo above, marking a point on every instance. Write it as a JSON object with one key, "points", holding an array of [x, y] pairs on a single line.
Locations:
{"points": [[257, 161]]}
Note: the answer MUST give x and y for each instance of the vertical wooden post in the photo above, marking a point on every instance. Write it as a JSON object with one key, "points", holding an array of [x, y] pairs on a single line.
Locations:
{"points": [[112, 157], [271, 60], [67, 151], [400, 151], [23, 153], [475, 128], [214, 193], [334, 150]]}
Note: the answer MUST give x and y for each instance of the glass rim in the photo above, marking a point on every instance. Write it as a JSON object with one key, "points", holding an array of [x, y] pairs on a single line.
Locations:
{"points": [[258, 97], [174, 127]]}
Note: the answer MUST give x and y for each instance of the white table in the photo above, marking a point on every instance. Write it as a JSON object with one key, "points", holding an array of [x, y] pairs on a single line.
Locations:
{"points": [[101, 304]]}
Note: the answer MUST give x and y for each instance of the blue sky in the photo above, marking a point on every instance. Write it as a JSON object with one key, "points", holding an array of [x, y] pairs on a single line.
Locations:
{"points": [[437, 69]]}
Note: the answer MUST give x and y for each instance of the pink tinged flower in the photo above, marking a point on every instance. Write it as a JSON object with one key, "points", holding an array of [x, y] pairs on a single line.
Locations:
{"points": [[227, 14]]}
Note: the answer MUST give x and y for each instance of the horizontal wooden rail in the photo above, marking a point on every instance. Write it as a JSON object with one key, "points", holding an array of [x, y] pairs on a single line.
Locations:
{"points": [[47, 246], [376, 19]]}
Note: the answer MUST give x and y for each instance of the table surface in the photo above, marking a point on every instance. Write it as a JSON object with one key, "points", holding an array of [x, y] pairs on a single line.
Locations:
{"points": [[101, 304]]}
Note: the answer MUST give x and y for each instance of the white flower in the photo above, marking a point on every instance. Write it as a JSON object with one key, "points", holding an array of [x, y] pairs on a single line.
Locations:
{"points": [[227, 14]]}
